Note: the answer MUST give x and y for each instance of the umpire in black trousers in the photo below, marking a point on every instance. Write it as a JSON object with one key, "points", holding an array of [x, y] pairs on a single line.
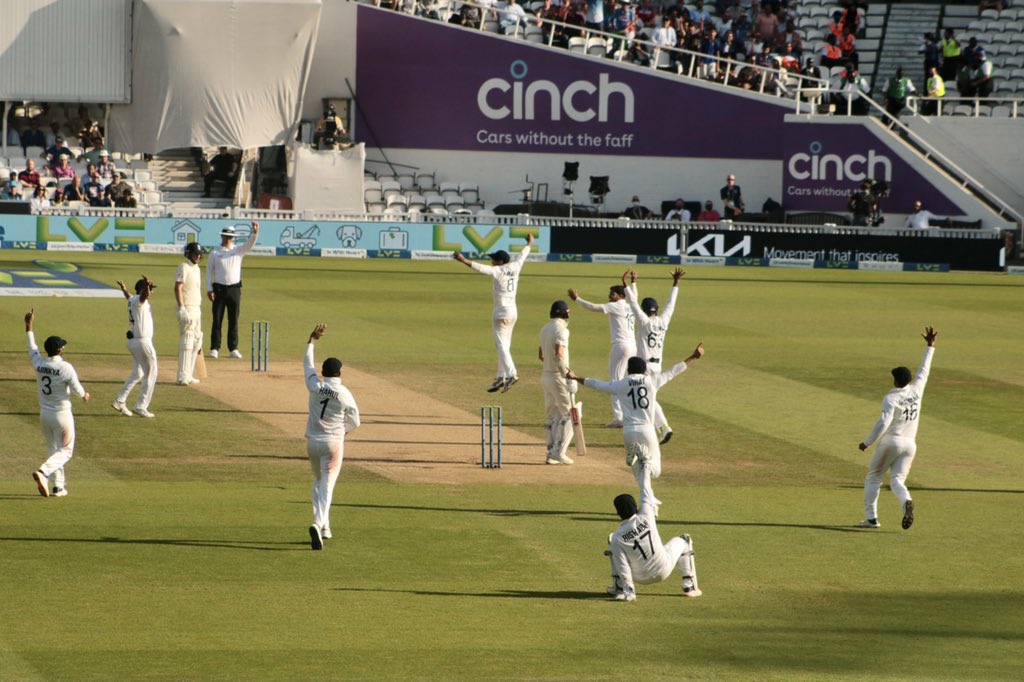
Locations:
{"points": [[224, 286]]}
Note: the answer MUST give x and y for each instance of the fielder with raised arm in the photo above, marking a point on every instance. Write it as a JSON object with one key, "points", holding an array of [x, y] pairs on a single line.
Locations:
{"points": [[636, 551], [622, 325], [650, 335], [332, 414], [638, 393], [189, 296], [896, 433], [505, 273], [56, 381], [140, 344]]}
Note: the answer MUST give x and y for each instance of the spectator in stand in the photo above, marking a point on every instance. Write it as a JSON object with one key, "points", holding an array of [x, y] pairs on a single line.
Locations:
{"points": [[918, 220], [12, 192], [569, 15], [862, 204], [970, 53], [789, 59], [33, 136], [930, 49], [93, 187], [830, 54], [635, 49], [951, 55], [105, 167], [749, 76], [119, 186], [731, 48], [512, 16], [93, 155], [851, 16], [792, 36], [623, 18], [936, 88], [53, 134], [709, 214], [997, 5], [103, 199], [679, 212], [810, 70], [61, 168], [637, 211], [766, 26], [74, 191], [646, 13], [849, 89], [711, 49], [835, 27], [53, 152], [58, 198], [545, 14], [732, 199], [699, 15], [764, 58], [222, 167], [896, 91], [126, 199], [742, 27], [595, 15], [848, 47], [30, 176], [39, 201], [92, 136], [665, 35], [773, 211], [979, 79], [468, 16]]}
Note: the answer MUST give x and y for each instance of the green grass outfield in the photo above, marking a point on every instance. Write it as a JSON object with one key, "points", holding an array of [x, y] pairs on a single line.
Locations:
{"points": [[182, 553]]}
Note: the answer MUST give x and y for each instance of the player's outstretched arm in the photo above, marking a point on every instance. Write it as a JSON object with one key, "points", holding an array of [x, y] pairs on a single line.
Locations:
{"points": [[30, 317], [457, 255], [124, 289], [317, 333], [574, 294], [929, 336], [696, 355], [677, 275]]}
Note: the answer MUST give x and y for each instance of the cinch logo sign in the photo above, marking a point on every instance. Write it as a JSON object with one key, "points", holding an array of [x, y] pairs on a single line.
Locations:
{"points": [[499, 98], [856, 167]]}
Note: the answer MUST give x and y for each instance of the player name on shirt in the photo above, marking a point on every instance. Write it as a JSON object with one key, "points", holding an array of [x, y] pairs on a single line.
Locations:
{"points": [[329, 392], [52, 371], [637, 532], [636, 382]]}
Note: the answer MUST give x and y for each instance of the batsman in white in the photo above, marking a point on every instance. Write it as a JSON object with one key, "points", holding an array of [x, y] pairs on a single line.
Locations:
{"points": [[188, 294], [896, 433], [636, 551], [505, 273], [140, 344], [56, 381], [638, 393], [650, 335], [559, 390], [622, 324], [332, 414]]}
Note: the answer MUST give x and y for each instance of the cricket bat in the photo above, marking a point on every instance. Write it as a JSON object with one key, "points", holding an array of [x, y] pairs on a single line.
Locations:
{"points": [[577, 429], [200, 369]]}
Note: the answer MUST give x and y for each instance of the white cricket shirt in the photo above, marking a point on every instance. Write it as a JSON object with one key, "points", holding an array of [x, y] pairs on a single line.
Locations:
{"points": [[650, 331], [140, 318], [637, 394], [56, 380], [506, 281], [901, 407], [638, 540], [332, 409], [191, 284], [224, 266], [620, 320]]}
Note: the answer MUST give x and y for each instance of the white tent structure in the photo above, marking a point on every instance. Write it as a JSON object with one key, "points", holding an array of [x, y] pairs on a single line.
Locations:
{"points": [[216, 72]]}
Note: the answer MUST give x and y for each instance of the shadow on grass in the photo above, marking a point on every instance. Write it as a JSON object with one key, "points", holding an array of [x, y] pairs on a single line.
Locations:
{"points": [[503, 594], [920, 488], [216, 544]]}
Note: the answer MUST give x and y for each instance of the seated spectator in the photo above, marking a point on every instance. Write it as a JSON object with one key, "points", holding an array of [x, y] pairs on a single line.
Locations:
{"points": [[742, 27], [102, 199], [851, 16], [637, 211], [93, 187], [74, 191], [830, 54], [30, 176], [731, 48], [789, 60], [53, 134], [33, 136], [772, 210], [918, 220], [646, 13], [732, 199], [53, 152], [58, 198], [545, 14], [709, 214], [936, 88], [92, 136], [699, 15], [679, 212], [222, 167], [105, 167], [61, 168], [810, 71], [789, 35], [979, 79], [468, 16], [849, 90], [119, 185], [39, 201], [997, 5], [749, 76], [635, 49], [12, 192], [512, 16], [93, 155], [862, 204], [764, 57], [126, 200]]}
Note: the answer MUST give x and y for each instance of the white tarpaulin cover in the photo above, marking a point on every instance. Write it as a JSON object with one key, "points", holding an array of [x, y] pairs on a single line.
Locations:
{"points": [[216, 72], [328, 180]]}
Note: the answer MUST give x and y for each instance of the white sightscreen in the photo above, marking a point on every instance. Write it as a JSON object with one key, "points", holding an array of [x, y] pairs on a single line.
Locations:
{"points": [[328, 180], [65, 50], [216, 72]]}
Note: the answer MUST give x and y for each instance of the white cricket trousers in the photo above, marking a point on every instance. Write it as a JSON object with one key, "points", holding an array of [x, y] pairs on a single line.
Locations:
{"points": [[59, 431], [659, 414], [647, 438], [143, 370], [617, 359], [190, 342], [558, 400], [502, 328], [677, 553], [325, 459], [894, 455]]}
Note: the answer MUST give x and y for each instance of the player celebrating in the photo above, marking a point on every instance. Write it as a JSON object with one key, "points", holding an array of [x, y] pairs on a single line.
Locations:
{"points": [[897, 429], [622, 323], [559, 390], [636, 551], [56, 381], [505, 273], [332, 414], [188, 294], [650, 332], [638, 393], [140, 343]]}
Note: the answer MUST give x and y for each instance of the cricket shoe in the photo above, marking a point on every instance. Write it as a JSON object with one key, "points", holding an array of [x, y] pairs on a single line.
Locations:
{"points": [[192, 381], [316, 541], [325, 533], [666, 435], [42, 482], [636, 455], [496, 386], [908, 514], [869, 523], [214, 354], [122, 408], [613, 424], [59, 492], [508, 382], [142, 412], [690, 588], [561, 459], [236, 354], [628, 594]]}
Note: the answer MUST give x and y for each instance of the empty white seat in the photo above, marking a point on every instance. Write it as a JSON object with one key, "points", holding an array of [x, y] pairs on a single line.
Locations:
{"points": [[425, 181], [407, 180], [417, 202], [375, 207], [390, 188], [578, 45], [143, 175], [33, 152], [433, 199], [396, 200], [596, 47], [470, 192], [150, 197]]}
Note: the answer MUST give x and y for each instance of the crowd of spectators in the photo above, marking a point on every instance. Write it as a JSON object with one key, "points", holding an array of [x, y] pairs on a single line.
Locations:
{"points": [[947, 60], [733, 207]]}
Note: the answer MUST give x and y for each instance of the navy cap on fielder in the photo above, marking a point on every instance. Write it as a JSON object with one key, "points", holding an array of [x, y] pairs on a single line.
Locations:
{"points": [[331, 367], [902, 376], [53, 344], [193, 247], [560, 309], [141, 284], [500, 256], [649, 305], [625, 505]]}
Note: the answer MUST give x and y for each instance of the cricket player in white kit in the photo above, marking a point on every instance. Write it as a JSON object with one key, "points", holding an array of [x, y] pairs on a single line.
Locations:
{"points": [[559, 390], [56, 380], [638, 393], [636, 551], [188, 294], [505, 273], [140, 344], [650, 335], [622, 324], [332, 414], [896, 433]]}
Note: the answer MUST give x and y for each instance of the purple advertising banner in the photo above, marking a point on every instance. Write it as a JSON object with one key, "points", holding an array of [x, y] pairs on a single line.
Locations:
{"points": [[824, 163], [430, 85]]}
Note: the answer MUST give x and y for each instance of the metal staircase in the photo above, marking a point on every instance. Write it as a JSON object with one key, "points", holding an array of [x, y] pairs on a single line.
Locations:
{"points": [[904, 34]]}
